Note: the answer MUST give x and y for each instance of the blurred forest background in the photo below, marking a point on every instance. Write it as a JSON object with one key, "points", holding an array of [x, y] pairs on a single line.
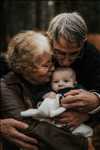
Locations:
{"points": [[19, 15]]}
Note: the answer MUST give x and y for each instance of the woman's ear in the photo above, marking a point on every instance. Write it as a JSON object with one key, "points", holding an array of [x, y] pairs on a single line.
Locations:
{"points": [[48, 35], [44, 33]]}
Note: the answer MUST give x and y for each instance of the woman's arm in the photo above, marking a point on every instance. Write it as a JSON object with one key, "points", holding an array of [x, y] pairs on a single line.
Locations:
{"points": [[9, 130], [11, 104]]}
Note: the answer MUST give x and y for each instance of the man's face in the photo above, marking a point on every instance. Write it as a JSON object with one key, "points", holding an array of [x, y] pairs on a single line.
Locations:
{"points": [[65, 52]]}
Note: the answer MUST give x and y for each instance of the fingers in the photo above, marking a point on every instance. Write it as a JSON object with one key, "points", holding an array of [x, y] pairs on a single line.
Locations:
{"points": [[75, 100], [65, 117], [64, 120], [70, 122], [23, 137], [70, 99], [78, 105], [81, 100], [73, 92], [24, 144], [23, 140], [18, 124], [11, 127]]}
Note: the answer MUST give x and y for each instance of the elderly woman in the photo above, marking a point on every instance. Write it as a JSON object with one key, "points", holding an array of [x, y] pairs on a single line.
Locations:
{"points": [[30, 59]]}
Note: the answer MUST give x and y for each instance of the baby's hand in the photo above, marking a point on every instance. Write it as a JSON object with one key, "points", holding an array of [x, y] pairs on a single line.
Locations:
{"points": [[49, 95]]}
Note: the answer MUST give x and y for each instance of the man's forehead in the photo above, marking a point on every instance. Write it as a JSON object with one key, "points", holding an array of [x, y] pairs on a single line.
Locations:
{"points": [[62, 42]]}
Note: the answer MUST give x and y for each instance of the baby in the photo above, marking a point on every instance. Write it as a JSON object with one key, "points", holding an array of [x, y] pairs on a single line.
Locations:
{"points": [[63, 80]]}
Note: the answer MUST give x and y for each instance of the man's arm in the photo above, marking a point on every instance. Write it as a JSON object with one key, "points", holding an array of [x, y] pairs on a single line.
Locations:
{"points": [[81, 100]]}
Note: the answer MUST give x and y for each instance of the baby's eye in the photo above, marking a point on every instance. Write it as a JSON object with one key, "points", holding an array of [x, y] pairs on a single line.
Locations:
{"points": [[65, 80], [55, 81]]}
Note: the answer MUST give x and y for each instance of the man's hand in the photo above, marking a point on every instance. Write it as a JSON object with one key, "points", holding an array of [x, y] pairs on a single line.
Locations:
{"points": [[8, 130], [72, 119], [81, 100]]}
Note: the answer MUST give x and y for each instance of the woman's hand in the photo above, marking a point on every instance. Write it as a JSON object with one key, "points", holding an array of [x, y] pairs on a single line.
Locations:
{"points": [[80, 100], [72, 119], [8, 130]]}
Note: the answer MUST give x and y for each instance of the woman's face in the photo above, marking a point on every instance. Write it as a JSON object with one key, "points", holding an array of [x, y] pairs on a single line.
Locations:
{"points": [[41, 70]]}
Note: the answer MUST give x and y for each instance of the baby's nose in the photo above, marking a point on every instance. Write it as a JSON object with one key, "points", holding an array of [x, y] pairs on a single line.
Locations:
{"points": [[61, 83]]}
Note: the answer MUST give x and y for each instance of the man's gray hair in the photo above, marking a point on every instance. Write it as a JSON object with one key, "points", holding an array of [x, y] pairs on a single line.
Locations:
{"points": [[70, 25]]}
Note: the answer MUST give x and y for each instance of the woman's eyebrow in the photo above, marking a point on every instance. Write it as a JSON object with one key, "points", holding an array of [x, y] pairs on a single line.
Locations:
{"points": [[74, 53], [58, 50]]}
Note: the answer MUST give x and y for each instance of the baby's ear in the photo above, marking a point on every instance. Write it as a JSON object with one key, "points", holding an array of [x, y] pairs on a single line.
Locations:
{"points": [[75, 82]]}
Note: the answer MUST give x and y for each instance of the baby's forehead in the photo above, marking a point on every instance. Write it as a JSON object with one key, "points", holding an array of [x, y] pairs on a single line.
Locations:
{"points": [[63, 71]]}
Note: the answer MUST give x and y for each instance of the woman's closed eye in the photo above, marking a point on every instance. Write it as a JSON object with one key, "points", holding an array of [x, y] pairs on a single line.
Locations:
{"points": [[46, 65], [75, 54]]}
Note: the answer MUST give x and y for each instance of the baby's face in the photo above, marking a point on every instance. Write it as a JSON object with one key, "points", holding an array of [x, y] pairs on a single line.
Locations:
{"points": [[62, 79]]}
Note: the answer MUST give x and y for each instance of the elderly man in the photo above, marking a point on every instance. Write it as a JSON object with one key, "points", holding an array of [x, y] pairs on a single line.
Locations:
{"points": [[68, 35]]}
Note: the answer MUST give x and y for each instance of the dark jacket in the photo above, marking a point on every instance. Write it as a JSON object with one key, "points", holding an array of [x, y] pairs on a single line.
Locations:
{"points": [[18, 95], [87, 67], [4, 68]]}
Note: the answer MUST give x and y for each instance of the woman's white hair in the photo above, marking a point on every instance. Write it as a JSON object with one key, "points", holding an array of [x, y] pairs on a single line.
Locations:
{"points": [[24, 47], [70, 25]]}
